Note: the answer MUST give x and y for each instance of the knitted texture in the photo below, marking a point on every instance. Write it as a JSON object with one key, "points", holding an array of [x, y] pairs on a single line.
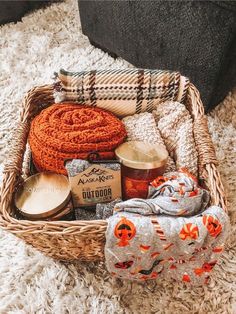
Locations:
{"points": [[176, 128], [69, 131], [142, 127]]}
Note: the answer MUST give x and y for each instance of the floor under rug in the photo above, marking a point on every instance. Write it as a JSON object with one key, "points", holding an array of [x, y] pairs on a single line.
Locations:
{"points": [[31, 51]]}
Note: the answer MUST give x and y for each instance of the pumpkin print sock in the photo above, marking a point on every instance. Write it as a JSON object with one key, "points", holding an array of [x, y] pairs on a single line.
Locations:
{"points": [[176, 194], [165, 247]]}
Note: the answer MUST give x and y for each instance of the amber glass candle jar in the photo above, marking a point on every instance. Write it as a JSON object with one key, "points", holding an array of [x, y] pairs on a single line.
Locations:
{"points": [[141, 163]]}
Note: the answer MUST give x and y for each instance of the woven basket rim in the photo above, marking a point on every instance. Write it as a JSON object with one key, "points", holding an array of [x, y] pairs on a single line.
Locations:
{"points": [[13, 169]]}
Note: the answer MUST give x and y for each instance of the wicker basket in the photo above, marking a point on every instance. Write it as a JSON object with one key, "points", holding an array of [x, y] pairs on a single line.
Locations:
{"points": [[84, 240]]}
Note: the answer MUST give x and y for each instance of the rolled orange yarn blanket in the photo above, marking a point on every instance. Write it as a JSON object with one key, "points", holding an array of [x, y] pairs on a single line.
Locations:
{"points": [[68, 131]]}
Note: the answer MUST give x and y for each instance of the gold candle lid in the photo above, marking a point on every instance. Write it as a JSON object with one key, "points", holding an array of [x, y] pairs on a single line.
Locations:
{"points": [[42, 195], [141, 155]]}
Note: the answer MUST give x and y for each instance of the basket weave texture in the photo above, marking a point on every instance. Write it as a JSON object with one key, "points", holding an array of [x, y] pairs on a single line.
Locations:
{"points": [[84, 240]]}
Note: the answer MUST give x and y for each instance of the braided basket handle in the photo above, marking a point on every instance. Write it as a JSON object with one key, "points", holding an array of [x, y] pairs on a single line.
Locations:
{"points": [[206, 152], [32, 103], [205, 147]]}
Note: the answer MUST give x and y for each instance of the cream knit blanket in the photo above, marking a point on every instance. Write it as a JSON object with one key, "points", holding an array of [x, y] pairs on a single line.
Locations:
{"points": [[176, 128], [170, 125], [142, 127]]}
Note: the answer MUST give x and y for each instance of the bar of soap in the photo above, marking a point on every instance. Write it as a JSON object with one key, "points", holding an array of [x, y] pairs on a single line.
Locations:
{"points": [[93, 182]]}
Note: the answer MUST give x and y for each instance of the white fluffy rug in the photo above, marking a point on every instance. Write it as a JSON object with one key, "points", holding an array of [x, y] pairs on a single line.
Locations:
{"points": [[31, 51]]}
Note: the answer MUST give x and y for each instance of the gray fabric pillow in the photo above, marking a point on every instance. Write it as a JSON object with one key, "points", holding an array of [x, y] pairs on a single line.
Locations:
{"points": [[196, 38]]}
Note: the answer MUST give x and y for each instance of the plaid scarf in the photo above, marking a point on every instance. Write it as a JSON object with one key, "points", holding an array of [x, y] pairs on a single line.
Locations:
{"points": [[123, 92]]}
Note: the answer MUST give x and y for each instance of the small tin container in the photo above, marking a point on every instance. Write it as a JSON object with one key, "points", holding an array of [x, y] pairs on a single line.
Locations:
{"points": [[44, 196], [141, 163]]}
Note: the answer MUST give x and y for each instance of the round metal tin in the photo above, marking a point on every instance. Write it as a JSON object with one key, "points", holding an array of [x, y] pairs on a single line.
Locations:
{"points": [[42, 195], [141, 155]]}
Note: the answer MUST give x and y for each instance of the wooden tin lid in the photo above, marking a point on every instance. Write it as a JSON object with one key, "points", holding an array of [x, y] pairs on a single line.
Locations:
{"points": [[42, 195], [142, 155]]}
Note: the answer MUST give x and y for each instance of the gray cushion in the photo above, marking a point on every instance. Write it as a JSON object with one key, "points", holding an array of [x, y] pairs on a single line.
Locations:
{"points": [[197, 38]]}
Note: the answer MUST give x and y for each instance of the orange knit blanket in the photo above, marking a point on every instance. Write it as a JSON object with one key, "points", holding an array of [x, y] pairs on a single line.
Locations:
{"points": [[68, 131]]}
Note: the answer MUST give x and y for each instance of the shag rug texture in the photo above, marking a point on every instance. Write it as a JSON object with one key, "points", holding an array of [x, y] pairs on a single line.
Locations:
{"points": [[31, 51]]}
